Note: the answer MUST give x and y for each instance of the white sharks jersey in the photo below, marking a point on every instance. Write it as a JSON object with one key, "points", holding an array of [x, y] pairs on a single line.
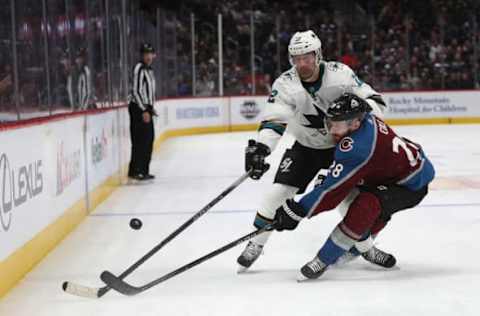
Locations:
{"points": [[303, 111]]}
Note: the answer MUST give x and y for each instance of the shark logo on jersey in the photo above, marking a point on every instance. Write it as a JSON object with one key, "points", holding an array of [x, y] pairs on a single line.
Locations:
{"points": [[316, 121], [333, 66]]}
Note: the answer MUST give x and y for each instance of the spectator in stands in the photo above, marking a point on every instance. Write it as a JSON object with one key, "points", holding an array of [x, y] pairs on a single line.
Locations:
{"points": [[264, 85], [6, 81], [63, 86], [350, 59]]}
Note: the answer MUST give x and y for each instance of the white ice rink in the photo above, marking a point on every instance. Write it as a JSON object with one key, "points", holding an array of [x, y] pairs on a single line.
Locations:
{"points": [[436, 245]]}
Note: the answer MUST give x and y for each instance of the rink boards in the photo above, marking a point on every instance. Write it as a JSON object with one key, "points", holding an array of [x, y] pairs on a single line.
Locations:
{"points": [[51, 176], [54, 173]]}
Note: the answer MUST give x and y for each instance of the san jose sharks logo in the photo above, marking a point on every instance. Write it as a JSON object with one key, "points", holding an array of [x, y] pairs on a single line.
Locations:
{"points": [[316, 120]]}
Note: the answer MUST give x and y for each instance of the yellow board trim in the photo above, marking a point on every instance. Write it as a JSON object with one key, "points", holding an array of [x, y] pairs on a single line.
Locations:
{"points": [[465, 120], [100, 194], [23, 260], [246, 127], [16, 266]]}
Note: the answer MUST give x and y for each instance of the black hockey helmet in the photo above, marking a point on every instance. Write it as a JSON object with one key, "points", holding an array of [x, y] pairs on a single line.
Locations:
{"points": [[346, 107], [146, 48]]}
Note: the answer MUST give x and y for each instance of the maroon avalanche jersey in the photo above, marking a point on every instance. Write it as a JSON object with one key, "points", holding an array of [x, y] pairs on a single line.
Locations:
{"points": [[373, 155]]}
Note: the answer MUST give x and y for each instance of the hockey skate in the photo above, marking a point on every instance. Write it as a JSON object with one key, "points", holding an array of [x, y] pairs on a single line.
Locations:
{"points": [[249, 255], [312, 270], [138, 179], [379, 257]]}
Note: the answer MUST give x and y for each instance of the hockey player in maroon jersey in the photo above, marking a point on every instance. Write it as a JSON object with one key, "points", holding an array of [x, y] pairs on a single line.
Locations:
{"points": [[392, 174]]}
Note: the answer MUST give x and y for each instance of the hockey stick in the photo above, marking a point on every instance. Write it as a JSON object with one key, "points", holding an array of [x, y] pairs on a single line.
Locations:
{"points": [[118, 284], [92, 292]]}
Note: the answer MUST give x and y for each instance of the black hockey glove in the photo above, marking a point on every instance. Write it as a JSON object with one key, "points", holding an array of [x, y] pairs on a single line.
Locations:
{"points": [[255, 154], [289, 215], [322, 175]]}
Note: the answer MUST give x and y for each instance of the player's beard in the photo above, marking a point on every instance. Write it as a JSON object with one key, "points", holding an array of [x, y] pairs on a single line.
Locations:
{"points": [[306, 72], [337, 138], [339, 130]]}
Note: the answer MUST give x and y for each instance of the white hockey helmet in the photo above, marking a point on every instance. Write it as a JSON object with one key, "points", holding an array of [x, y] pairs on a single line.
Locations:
{"points": [[303, 43]]}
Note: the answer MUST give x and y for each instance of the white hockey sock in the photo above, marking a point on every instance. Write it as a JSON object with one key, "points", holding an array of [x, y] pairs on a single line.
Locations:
{"points": [[262, 238], [270, 203], [364, 245]]}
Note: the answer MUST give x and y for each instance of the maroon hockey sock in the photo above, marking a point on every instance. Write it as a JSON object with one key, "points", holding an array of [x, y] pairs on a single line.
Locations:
{"points": [[362, 214], [378, 226]]}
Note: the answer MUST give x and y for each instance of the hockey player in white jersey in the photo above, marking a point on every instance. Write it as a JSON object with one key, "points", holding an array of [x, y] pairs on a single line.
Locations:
{"points": [[299, 100]]}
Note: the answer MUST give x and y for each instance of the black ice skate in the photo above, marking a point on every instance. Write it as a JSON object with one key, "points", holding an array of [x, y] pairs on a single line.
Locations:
{"points": [[379, 257], [249, 255], [312, 270]]}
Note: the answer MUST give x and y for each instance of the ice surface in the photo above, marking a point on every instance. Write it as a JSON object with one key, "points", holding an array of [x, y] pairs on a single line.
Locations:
{"points": [[436, 244]]}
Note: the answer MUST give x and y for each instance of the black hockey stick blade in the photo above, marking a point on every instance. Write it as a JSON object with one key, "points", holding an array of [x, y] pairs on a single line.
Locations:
{"points": [[118, 284], [91, 292], [123, 287]]}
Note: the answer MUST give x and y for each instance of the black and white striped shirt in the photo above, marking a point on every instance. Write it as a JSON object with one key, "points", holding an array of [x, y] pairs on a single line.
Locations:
{"points": [[143, 86], [79, 88], [84, 88]]}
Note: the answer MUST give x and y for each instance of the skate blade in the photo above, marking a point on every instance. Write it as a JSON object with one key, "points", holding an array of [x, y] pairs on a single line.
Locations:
{"points": [[378, 267], [131, 181], [301, 278], [241, 269], [136, 182]]}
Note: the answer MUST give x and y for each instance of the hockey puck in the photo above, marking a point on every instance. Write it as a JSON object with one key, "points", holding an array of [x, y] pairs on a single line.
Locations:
{"points": [[135, 223]]}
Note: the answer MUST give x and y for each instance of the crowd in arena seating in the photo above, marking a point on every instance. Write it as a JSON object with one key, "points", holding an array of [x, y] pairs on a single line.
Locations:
{"points": [[394, 45], [391, 44]]}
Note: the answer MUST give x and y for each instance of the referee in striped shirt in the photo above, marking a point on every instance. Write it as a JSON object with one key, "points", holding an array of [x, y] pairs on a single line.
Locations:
{"points": [[140, 108]]}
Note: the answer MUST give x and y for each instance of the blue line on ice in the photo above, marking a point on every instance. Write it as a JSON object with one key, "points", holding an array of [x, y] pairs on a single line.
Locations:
{"points": [[163, 213]]}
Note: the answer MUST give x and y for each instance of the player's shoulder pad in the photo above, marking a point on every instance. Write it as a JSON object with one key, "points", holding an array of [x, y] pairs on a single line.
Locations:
{"points": [[359, 145], [343, 72], [284, 85], [338, 67], [287, 78]]}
